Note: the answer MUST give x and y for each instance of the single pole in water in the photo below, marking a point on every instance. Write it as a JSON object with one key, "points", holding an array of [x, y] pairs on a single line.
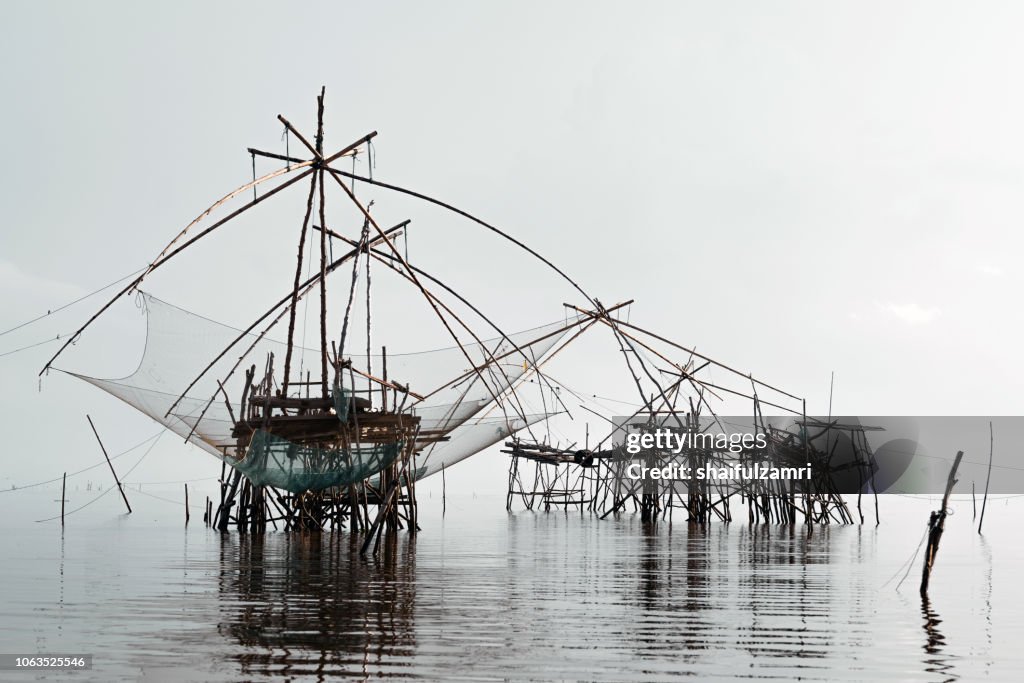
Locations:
{"points": [[936, 525], [444, 494], [63, 489], [988, 478], [116, 480], [186, 504]]}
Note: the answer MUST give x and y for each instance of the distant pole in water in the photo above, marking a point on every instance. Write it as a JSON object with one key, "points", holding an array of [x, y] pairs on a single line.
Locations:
{"points": [[444, 495], [186, 504], [936, 525], [116, 480], [988, 478], [63, 489]]}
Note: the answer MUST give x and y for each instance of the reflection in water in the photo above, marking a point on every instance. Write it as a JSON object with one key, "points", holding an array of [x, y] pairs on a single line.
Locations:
{"points": [[534, 596], [935, 643], [306, 603], [782, 571], [554, 596], [986, 552]]}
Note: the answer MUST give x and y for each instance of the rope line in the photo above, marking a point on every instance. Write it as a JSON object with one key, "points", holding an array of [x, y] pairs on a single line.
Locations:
{"points": [[82, 507], [70, 303], [86, 469]]}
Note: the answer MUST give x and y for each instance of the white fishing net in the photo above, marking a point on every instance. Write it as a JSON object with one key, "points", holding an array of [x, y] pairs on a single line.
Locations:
{"points": [[179, 344]]}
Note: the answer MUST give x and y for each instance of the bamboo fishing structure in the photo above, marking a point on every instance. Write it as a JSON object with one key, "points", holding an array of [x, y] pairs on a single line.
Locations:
{"points": [[341, 443], [337, 446], [597, 480]]}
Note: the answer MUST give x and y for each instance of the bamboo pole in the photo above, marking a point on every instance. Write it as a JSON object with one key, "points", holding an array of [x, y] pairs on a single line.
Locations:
{"points": [[384, 258], [166, 254], [292, 308], [164, 258], [936, 525], [444, 205], [323, 245], [490, 360], [694, 353], [384, 237], [116, 480], [63, 497], [224, 513], [988, 478], [306, 286], [537, 340]]}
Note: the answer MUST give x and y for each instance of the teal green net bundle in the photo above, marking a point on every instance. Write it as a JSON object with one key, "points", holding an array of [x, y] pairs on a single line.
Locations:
{"points": [[273, 461]]}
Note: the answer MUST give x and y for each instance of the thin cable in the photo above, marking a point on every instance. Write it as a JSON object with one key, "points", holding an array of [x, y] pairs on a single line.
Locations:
{"points": [[166, 500], [30, 346], [910, 564], [139, 462], [101, 462], [50, 519], [179, 481], [70, 303]]}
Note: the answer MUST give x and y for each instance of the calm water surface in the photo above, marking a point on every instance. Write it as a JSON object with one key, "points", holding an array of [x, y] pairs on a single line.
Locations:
{"points": [[483, 595]]}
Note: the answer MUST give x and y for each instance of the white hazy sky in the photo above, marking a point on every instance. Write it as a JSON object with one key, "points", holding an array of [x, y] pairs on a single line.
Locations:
{"points": [[794, 187]]}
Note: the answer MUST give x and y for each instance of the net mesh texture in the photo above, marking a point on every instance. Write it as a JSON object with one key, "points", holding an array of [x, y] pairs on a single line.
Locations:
{"points": [[179, 344]]}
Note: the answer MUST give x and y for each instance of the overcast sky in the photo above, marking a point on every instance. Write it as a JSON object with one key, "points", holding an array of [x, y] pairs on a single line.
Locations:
{"points": [[795, 188]]}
